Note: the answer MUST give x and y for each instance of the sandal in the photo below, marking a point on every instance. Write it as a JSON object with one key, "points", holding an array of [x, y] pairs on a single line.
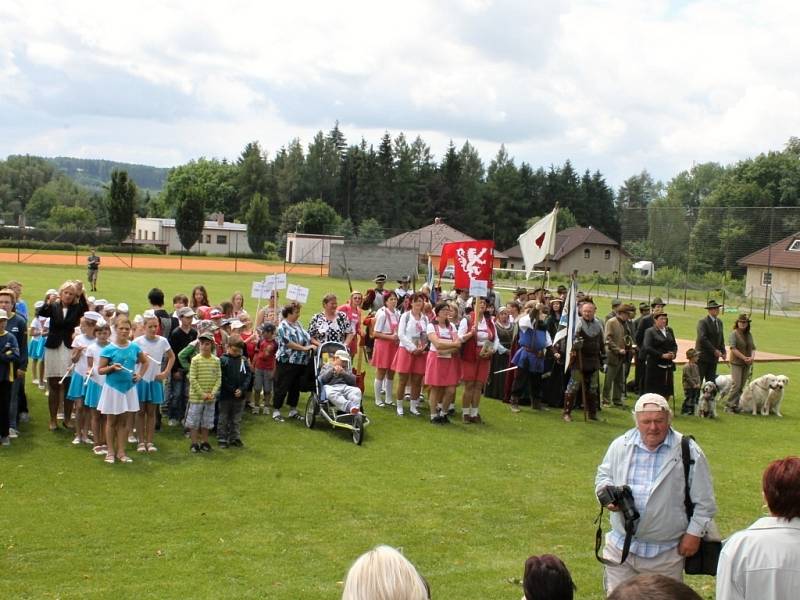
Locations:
{"points": [[109, 459], [100, 450], [125, 459], [152, 448], [142, 447]]}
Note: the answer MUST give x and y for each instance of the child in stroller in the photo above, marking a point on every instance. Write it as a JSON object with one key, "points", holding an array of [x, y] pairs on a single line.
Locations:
{"points": [[339, 384]]}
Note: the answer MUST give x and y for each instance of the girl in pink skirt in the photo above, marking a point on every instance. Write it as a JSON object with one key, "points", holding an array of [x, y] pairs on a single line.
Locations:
{"points": [[409, 362], [442, 365], [479, 335], [387, 320]]}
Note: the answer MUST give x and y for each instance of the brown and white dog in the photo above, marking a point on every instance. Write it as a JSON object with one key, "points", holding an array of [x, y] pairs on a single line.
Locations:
{"points": [[764, 394], [707, 406]]}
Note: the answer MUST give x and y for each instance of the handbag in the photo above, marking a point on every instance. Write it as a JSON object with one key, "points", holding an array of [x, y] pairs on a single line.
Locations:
{"points": [[706, 559]]}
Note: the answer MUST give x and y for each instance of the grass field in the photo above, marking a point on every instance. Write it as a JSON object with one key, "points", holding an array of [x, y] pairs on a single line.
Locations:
{"points": [[285, 516]]}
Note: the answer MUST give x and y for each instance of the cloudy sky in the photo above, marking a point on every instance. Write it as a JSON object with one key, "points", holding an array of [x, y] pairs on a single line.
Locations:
{"points": [[618, 86]]}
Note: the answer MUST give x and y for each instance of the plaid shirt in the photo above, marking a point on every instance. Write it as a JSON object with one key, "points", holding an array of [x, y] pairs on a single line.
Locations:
{"points": [[288, 332], [643, 471]]}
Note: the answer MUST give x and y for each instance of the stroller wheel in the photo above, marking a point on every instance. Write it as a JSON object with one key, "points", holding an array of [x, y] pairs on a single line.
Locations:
{"points": [[358, 429], [311, 411]]}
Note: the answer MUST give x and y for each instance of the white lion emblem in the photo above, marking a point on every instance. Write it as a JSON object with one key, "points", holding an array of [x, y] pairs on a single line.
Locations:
{"points": [[471, 261]]}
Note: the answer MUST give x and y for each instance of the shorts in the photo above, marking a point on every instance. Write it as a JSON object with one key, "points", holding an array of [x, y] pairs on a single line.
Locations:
{"points": [[91, 274], [200, 415], [263, 380]]}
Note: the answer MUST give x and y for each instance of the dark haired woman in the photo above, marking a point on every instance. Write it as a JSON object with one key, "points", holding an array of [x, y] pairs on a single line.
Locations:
{"points": [[442, 365], [294, 346], [743, 353]]}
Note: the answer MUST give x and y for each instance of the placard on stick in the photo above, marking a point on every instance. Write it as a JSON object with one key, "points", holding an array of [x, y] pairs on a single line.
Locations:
{"points": [[297, 293], [478, 288]]}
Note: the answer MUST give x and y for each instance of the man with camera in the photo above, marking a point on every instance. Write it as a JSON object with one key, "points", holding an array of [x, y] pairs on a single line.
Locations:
{"points": [[641, 480]]}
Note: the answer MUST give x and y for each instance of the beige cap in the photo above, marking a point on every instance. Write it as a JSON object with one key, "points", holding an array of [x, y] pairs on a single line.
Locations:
{"points": [[652, 403]]}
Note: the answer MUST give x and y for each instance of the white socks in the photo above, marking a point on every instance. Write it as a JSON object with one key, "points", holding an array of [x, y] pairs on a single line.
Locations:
{"points": [[474, 412], [389, 391], [378, 386]]}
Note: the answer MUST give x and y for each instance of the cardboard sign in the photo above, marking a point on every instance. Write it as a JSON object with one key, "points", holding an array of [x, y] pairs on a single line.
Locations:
{"points": [[478, 288], [297, 293], [275, 282], [259, 291]]}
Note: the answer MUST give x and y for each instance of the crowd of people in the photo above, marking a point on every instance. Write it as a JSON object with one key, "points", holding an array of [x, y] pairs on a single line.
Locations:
{"points": [[112, 379]]}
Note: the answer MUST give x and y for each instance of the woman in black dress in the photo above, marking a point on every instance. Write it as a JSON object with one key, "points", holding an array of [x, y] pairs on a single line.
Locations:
{"points": [[660, 348], [505, 334]]}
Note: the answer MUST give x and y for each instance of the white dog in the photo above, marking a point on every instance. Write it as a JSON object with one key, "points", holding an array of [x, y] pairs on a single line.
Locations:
{"points": [[765, 394], [707, 407], [724, 384]]}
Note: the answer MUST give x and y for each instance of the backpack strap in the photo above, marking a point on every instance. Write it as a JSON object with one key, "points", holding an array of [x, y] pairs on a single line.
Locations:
{"points": [[687, 462]]}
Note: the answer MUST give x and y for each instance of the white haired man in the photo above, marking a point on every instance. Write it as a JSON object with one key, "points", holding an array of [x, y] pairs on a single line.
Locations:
{"points": [[648, 459]]}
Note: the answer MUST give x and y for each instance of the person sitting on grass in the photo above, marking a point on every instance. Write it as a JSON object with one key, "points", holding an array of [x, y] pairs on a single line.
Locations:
{"points": [[237, 379], [205, 378], [340, 384]]}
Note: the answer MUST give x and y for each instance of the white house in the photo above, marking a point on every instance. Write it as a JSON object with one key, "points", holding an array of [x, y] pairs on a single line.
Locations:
{"points": [[218, 236], [309, 248]]}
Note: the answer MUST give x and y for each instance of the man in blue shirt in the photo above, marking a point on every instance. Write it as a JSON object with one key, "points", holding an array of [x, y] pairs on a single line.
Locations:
{"points": [[648, 459]]}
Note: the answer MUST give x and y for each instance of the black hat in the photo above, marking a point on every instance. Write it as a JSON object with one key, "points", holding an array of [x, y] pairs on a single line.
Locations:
{"points": [[380, 278], [404, 279], [644, 306], [656, 301], [615, 302], [713, 304]]}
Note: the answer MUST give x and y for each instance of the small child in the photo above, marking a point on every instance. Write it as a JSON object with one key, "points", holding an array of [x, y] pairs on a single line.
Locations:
{"points": [[264, 349], [94, 386], [237, 377], [151, 387], [205, 378], [36, 346], [340, 384], [76, 389], [691, 383]]}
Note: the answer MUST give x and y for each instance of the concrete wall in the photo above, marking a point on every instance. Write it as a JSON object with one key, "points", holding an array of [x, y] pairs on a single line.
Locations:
{"points": [[366, 261], [785, 284]]}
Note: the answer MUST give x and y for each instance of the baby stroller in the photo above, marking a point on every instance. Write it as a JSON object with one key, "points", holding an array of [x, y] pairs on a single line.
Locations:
{"points": [[318, 405]]}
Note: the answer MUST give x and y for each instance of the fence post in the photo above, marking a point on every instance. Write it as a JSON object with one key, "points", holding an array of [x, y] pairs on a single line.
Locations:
{"points": [[767, 288], [76, 256]]}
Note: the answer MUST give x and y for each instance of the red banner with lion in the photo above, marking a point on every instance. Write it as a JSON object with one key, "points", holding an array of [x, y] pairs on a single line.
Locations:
{"points": [[473, 260]]}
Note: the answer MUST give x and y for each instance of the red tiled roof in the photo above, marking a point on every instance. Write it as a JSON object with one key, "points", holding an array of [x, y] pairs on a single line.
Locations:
{"points": [[774, 255], [430, 239]]}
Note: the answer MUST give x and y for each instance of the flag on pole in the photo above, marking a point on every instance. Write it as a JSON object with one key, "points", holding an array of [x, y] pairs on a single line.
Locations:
{"points": [[473, 260], [429, 279], [568, 322], [539, 241]]}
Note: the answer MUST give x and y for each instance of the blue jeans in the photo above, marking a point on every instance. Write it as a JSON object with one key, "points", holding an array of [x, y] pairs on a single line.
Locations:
{"points": [[178, 389], [16, 390]]}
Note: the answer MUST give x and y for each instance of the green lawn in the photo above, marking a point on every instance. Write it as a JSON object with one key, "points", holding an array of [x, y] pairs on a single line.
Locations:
{"points": [[285, 516]]}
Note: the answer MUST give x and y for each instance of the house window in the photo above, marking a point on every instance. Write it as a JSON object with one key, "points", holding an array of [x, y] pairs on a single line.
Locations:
{"points": [[138, 234], [587, 253], [607, 254], [222, 239], [766, 279], [795, 246], [208, 238]]}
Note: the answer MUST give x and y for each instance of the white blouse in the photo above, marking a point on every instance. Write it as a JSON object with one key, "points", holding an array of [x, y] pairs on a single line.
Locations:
{"points": [[411, 330]]}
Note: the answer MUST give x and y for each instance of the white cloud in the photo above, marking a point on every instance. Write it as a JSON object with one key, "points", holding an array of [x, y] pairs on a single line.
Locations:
{"points": [[615, 86]]}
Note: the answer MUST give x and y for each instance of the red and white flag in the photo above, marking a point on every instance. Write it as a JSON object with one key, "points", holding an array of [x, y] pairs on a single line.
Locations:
{"points": [[539, 241], [473, 261]]}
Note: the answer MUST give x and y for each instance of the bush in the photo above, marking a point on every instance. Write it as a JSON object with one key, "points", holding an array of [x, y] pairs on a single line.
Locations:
{"points": [[36, 245], [135, 249]]}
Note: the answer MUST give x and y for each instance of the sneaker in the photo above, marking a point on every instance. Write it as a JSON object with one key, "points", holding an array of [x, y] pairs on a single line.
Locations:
{"points": [[567, 418], [445, 420], [477, 420], [76, 441], [515, 408], [413, 410], [237, 443], [437, 420], [466, 419], [35, 382], [451, 412], [265, 411], [13, 433], [380, 403], [399, 410], [255, 410], [205, 447], [278, 418], [194, 448], [132, 439], [5, 441], [222, 443], [42, 386]]}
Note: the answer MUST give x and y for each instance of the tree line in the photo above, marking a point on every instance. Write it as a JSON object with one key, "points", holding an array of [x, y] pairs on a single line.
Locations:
{"points": [[366, 192]]}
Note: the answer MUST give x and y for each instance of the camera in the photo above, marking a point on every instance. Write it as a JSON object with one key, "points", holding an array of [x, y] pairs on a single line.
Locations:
{"points": [[622, 497]]}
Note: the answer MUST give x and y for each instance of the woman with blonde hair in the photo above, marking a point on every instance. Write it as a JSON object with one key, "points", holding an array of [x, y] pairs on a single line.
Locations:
{"points": [[384, 574]]}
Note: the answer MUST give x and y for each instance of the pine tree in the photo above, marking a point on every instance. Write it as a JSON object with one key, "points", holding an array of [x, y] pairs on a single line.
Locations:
{"points": [[190, 217], [258, 223], [121, 205], [252, 178]]}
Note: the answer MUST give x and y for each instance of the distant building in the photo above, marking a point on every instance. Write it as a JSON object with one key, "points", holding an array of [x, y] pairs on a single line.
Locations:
{"points": [[430, 239], [776, 266], [218, 236], [582, 249], [310, 248]]}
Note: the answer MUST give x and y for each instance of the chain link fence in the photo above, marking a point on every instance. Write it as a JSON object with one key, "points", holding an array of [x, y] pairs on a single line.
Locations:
{"points": [[746, 257]]}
